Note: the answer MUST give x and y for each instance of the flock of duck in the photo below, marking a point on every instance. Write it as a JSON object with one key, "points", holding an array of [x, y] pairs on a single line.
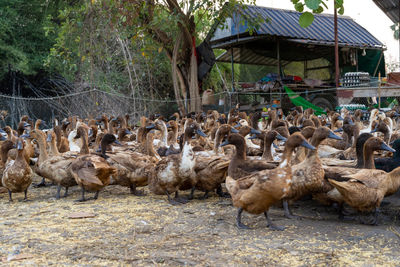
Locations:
{"points": [[264, 158]]}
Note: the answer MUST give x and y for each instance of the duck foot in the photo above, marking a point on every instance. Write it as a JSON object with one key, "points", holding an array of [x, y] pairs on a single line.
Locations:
{"points": [[271, 225], [172, 201], [239, 223], [136, 192], [181, 199], [221, 193], [288, 213], [42, 184], [205, 196], [369, 219]]}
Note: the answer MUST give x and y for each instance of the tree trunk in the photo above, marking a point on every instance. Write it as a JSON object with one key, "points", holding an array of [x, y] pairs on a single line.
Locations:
{"points": [[175, 71], [195, 100]]}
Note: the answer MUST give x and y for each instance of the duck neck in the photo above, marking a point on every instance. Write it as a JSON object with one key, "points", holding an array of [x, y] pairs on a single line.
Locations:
{"points": [[240, 151], [85, 145], [57, 131], [42, 150], [109, 127], [368, 158], [20, 156], [315, 141], [53, 148], [164, 133], [267, 153], [150, 148], [286, 158], [175, 134]]}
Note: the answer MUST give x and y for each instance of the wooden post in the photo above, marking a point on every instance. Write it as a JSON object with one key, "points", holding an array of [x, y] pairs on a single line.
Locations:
{"points": [[278, 57], [336, 46], [379, 90]]}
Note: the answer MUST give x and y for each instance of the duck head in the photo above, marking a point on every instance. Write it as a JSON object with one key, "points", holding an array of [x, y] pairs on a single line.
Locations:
{"points": [[296, 140]]}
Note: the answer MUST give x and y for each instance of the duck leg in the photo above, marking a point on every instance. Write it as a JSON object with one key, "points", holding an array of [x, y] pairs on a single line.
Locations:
{"points": [[82, 199], [221, 193], [239, 223], [26, 195], [288, 213], [58, 191], [66, 192], [136, 192], [271, 225], [180, 199], [10, 196], [191, 195], [172, 201]]}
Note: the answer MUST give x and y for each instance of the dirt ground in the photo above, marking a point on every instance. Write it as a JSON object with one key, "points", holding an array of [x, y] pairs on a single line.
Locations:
{"points": [[141, 231]]}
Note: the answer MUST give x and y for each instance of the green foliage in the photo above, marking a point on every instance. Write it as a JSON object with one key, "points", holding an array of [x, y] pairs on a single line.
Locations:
{"points": [[316, 7], [24, 43], [395, 28], [306, 19]]}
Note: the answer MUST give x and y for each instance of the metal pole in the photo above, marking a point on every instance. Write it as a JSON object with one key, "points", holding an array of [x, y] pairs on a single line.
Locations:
{"points": [[356, 60], [336, 47], [233, 71], [379, 90]]}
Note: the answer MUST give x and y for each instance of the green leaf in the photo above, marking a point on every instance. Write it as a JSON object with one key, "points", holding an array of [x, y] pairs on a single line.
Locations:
{"points": [[312, 4], [319, 10], [295, 1], [306, 19], [299, 7], [339, 2], [341, 10]]}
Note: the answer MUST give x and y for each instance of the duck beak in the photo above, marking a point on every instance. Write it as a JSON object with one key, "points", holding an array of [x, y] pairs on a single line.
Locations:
{"points": [[20, 146], [374, 130], [168, 125], [225, 143], [237, 125], [254, 131], [2, 131], [338, 130], [49, 137], [281, 138], [340, 118], [253, 137], [66, 122], [233, 130], [90, 132], [151, 126], [3, 138], [118, 142], [26, 125], [387, 148], [201, 133], [275, 145], [334, 136], [128, 132], [307, 145], [351, 122], [328, 124]]}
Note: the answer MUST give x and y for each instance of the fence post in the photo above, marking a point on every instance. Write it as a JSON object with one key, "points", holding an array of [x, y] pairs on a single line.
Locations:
{"points": [[379, 90]]}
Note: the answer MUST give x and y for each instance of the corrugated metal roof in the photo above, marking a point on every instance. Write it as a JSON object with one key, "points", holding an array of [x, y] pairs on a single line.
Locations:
{"points": [[247, 56], [285, 23], [390, 8]]}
